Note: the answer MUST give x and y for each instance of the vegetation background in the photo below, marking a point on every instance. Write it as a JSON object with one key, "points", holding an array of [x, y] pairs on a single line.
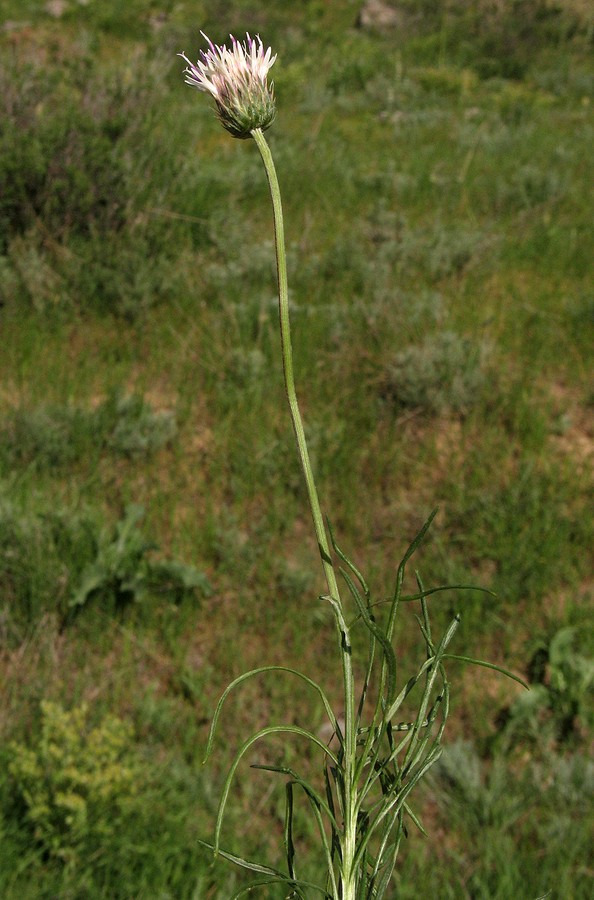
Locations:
{"points": [[154, 540]]}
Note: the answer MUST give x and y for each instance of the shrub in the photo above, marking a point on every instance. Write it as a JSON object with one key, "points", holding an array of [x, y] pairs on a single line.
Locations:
{"points": [[78, 782], [140, 430], [524, 832], [54, 436], [47, 437], [74, 229], [60, 169], [89, 812], [445, 372], [531, 528]]}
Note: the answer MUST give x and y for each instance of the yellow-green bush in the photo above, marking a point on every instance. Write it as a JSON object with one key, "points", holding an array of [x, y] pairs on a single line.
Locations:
{"points": [[78, 782]]}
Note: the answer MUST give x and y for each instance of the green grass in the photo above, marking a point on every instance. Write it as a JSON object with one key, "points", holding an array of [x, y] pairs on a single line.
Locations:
{"points": [[436, 185]]}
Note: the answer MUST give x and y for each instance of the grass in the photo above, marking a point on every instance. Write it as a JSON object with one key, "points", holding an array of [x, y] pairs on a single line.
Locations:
{"points": [[442, 313]]}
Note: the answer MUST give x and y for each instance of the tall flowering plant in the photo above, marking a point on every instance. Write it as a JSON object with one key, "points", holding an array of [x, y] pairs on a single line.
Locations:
{"points": [[370, 766]]}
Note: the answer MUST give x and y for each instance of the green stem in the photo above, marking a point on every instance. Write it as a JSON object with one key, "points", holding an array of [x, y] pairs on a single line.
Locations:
{"points": [[348, 875], [287, 352]]}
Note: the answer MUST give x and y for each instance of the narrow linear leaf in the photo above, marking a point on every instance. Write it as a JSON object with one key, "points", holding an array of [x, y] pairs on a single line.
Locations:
{"points": [[317, 804], [252, 673], [348, 562], [415, 819], [410, 684], [308, 789], [297, 886], [422, 713], [396, 596], [418, 539], [289, 843], [389, 655], [264, 732], [487, 665], [244, 863], [408, 598], [276, 876]]}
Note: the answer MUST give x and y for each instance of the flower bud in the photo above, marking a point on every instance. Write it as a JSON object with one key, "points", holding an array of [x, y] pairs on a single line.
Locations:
{"points": [[236, 78]]}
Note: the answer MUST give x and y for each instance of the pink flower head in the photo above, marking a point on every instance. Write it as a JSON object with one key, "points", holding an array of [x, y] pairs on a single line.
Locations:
{"points": [[236, 79]]}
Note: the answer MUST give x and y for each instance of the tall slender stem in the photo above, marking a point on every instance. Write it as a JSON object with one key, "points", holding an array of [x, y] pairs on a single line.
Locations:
{"points": [[287, 352], [348, 875]]}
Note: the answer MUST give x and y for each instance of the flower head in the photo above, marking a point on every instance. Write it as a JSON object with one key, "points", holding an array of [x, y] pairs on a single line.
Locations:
{"points": [[236, 78]]}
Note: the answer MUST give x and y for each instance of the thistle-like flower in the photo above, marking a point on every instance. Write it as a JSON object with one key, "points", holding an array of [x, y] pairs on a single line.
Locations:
{"points": [[236, 78]]}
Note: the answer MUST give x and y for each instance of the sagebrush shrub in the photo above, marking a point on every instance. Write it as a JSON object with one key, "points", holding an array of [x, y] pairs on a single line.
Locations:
{"points": [[73, 189], [52, 436], [445, 372]]}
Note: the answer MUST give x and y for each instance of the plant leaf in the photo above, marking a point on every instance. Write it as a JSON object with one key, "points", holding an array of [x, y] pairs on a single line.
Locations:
{"points": [[487, 665], [259, 671]]}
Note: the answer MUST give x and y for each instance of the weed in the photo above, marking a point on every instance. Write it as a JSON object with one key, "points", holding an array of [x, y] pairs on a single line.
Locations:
{"points": [[122, 571], [47, 437], [369, 777], [452, 198], [558, 702], [58, 562], [34, 578]]}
